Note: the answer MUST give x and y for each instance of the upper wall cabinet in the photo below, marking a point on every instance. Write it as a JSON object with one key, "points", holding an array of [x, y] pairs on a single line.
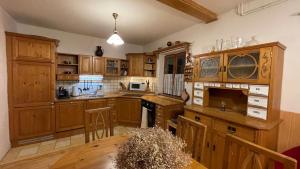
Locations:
{"points": [[86, 64], [244, 65], [248, 66], [33, 49], [141, 64], [112, 67], [136, 64], [209, 68], [98, 65]]}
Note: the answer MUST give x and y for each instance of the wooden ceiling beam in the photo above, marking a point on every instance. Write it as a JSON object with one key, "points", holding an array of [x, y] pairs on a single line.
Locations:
{"points": [[192, 8]]}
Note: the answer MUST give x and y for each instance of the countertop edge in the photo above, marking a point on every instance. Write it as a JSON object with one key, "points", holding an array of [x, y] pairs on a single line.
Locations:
{"points": [[262, 126]]}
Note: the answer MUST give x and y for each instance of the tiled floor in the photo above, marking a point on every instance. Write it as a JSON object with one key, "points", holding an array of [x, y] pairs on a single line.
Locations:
{"points": [[32, 150]]}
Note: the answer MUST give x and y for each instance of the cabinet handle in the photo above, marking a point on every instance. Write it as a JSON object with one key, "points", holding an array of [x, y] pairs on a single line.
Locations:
{"points": [[214, 147], [220, 69], [231, 130], [197, 118], [207, 144], [224, 69]]}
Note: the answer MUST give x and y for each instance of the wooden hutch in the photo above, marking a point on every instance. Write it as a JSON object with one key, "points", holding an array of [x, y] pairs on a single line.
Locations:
{"points": [[238, 91]]}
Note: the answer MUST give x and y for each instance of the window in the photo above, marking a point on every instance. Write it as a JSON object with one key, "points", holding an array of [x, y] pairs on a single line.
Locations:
{"points": [[174, 74]]}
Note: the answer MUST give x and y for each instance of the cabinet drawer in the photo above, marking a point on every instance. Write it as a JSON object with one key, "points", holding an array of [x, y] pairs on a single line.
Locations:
{"points": [[198, 85], [258, 101], [198, 93], [259, 89], [240, 131], [198, 117], [258, 113], [198, 101]]}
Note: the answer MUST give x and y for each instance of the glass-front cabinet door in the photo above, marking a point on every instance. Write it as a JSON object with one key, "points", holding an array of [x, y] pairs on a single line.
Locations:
{"points": [[112, 67], [247, 66], [209, 68]]}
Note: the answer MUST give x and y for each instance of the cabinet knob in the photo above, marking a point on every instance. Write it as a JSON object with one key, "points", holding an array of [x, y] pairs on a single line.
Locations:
{"points": [[197, 118], [231, 130]]}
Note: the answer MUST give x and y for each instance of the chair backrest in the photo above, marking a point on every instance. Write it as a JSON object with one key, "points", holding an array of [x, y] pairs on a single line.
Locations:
{"points": [[243, 154], [98, 120], [194, 134]]}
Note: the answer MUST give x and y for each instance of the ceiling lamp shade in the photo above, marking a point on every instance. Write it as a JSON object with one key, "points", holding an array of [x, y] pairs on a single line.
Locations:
{"points": [[115, 39]]}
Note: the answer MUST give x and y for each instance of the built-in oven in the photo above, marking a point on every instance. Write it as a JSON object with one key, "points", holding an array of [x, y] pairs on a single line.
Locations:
{"points": [[148, 114]]}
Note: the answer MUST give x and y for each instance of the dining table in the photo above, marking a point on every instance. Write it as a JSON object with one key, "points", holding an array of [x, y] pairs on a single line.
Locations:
{"points": [[99, 154]]}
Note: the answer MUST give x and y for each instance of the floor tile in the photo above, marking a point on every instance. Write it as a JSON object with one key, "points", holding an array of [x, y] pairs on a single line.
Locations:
{"points": [[62, 143], [28, 151]]}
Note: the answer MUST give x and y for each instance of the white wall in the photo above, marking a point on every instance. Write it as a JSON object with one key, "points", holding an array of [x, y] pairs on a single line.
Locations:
{"points": [[271, 24], [80, 44], [6, 24]]}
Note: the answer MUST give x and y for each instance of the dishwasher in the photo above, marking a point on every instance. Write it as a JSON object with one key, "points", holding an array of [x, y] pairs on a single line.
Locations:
{"points": [[148, 114]]}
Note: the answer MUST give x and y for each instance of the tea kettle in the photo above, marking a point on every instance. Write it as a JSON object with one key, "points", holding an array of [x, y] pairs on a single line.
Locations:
{"points": [[76, 91]]}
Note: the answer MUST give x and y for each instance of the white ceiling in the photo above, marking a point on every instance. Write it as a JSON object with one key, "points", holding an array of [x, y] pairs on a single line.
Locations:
{"points": [[139, 22]]}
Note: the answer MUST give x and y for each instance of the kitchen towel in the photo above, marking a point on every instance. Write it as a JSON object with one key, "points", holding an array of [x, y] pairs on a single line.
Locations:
{"points": [[144, 123]]}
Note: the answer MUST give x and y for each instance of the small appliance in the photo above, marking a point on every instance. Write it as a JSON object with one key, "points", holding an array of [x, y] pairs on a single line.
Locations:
{"points": [[62, 93], [76, 91], [137, 86]]}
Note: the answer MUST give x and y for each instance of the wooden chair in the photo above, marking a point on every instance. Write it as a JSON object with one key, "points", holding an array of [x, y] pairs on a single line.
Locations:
{"points": [[243, 154], [194, 134], [98, 119]]}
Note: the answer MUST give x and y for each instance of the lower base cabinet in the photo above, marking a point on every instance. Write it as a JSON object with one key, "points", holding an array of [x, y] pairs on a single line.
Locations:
{"points": [[69, 115], [32, 122], [216, 134], [129, 111]]}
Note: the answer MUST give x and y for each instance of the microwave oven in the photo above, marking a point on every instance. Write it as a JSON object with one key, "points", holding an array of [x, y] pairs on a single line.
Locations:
{"points": [[137, 86]]}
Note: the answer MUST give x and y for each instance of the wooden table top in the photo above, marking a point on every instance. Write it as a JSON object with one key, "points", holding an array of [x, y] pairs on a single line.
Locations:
{"points": [[98, 155]]}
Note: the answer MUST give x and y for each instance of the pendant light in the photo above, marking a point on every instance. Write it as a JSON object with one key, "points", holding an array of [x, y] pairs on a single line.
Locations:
{"points": [[115, 39]]}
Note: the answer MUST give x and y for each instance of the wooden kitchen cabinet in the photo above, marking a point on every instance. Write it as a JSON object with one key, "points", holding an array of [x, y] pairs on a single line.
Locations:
{"points": [[32, 122], [31, 49], [69, 115], [112, 67], [136, 64], [112, 103], [243, 65], [98, 65], [129, 111], [209, 68], [86, 64], [217, 130], [33, 88]]}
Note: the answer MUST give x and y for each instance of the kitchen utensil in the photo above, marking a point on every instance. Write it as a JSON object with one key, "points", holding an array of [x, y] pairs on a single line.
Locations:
{"points": [[76, 91]]}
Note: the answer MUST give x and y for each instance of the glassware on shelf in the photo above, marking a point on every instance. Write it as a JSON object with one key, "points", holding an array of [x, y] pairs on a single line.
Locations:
{"points": [[253, 41]]}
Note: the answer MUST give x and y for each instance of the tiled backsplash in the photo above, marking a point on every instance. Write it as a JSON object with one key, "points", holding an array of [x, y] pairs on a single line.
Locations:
{"points": [[108, 84]]}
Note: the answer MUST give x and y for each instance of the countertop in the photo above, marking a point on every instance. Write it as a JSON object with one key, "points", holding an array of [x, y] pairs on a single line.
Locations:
{"points": [[162, 100], [106, 96], [233, 117]]}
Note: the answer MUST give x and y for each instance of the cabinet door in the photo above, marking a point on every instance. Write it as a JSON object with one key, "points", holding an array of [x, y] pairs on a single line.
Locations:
{"points": [[98, 65], [33, 50], [33, 84], [217, 149], [70, 115], [112, 103], [210, 68], [136, 64], [112, 67], [33, 121], [86, 65], [129, 111], [251, 66]]}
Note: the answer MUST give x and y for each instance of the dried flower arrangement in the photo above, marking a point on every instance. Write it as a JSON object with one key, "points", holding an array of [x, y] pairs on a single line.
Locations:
{"points": [[152, 148]]}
